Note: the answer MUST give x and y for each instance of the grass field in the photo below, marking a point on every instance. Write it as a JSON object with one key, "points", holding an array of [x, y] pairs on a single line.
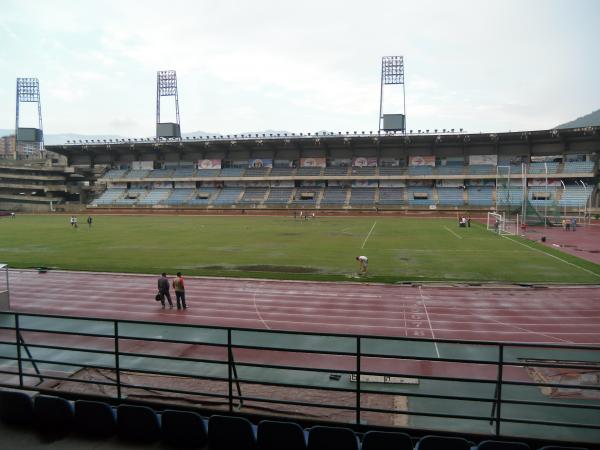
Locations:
{"points": [[399, 249]]}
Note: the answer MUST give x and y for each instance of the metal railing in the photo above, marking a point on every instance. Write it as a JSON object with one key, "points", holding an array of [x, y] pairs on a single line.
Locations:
{"points": [[485, 387]]}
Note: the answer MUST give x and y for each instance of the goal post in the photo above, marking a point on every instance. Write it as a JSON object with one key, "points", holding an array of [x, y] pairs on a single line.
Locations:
{"points": [[4, 288], [498, 223]]}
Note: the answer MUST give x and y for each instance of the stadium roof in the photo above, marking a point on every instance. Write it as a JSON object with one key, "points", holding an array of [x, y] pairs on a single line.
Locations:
{"points": [[355, 140]]}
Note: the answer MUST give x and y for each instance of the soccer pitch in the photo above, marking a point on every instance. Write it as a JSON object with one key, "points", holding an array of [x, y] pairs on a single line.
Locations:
{"points": [[399, 249]]}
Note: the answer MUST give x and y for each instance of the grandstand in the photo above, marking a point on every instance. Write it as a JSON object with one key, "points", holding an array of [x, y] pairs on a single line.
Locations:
{"points": [[384, 171]]}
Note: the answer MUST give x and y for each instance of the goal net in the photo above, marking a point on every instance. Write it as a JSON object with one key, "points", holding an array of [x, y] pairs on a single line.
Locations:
{"points": [[498, 223]]}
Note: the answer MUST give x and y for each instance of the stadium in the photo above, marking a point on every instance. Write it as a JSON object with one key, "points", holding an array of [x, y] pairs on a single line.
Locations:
{"points": [[461, 331]]}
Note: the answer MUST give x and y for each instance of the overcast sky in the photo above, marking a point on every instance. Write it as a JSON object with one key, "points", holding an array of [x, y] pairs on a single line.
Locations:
{"points": [[300, 65]]}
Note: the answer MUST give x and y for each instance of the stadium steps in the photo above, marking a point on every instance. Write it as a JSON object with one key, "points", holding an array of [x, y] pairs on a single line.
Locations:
{"points": [[348, 195], [293, 196], [319, 198]]}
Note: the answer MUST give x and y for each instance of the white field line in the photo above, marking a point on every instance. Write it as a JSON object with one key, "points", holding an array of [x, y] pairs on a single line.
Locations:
{"points": [[368, 235], [437, 350], [458, 236], [552, 256]]}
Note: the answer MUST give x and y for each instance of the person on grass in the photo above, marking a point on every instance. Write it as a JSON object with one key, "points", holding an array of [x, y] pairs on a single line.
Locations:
{"points": [[363, 264]]}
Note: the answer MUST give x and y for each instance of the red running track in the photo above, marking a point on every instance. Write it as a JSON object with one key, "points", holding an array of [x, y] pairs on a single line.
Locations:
{"points": [[567, 314]]}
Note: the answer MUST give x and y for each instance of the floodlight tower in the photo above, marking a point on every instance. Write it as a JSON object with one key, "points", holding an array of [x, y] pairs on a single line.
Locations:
{"points": [[28, 91], [392, 73], [166, 86]]}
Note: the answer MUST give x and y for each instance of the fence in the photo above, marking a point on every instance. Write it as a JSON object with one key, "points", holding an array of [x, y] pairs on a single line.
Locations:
{"points": [[504, 389]]}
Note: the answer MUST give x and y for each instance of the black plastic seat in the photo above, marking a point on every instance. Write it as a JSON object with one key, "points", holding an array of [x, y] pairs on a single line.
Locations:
{"points": [[277, 435], [502, 445], [53, 415], [16, 408], [229, 433], [183, 429], [326, 438], [138, 423], [383, 440], [431, 442], [95, 418]]}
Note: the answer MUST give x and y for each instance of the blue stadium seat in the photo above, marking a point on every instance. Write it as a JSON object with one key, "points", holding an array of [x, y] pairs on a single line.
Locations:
{"points": [[274, 435], [183, 429], [53, 414], [502, 445], [228, 433], [138, 423], [16, 408], [443, 443], [382, 440], [95, 418], [326, 438]]}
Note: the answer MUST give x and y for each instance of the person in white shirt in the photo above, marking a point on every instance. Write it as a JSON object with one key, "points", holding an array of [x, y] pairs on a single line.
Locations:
{"points": [[363, 262]]}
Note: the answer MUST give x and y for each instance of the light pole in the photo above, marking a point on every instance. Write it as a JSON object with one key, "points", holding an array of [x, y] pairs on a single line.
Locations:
{"points": [[563, 198]]}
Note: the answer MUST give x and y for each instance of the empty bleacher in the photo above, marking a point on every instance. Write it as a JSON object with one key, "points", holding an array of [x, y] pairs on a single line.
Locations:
{"points": [[481, 169], [541, 167], [109, 196], [160, 173], [509, 196], [334, 196], [208, 172], [254, 195], [136, 174], [306, 196], [179, 196], [131, 197], [364, 171], [450, 196], [115, 173], [578, 167], [227, 196], [480, 195], [184, 172], [155, 196], [336, 171], [392, 170], [203, 196], [575, 196], [452, 169], [232, 172], [391, 196], [362, 196], [257, 172], [282, 172], [420, 170], [309, 171], [279, 196]]}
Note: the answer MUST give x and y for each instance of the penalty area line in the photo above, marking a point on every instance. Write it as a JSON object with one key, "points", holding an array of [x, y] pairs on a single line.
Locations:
{"points": [[368, 235], [458, 236]]}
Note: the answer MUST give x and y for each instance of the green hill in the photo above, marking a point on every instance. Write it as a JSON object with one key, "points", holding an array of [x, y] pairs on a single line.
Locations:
{"points": [[589, 120]]}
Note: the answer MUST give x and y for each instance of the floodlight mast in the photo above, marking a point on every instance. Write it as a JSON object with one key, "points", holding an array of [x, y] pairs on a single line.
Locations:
{"points": [[28, 91], [166, 86], [392, 73]]}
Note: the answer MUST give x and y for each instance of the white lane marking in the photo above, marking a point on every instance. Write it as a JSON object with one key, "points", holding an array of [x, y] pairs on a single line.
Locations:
{"points": [[258, 313], [437, 350], [458, 236], [523, 329], [552, 256], [368, 235]]}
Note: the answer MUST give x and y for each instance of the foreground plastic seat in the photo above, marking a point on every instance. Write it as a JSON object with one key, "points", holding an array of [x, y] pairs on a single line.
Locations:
{"points": [[383, 440], [138, 423], [229, 433], [275, 435], [443, 443], [558, 447], [53, 414], [95, 418], [16, 408], [183, 429], [327, 438], [502, 445]]}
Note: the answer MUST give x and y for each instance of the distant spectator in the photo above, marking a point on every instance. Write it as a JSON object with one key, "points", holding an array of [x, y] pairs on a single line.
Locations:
{"points": [[163, 290], [573, 224], [564, 224], [74, 221], [89, 221]]}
